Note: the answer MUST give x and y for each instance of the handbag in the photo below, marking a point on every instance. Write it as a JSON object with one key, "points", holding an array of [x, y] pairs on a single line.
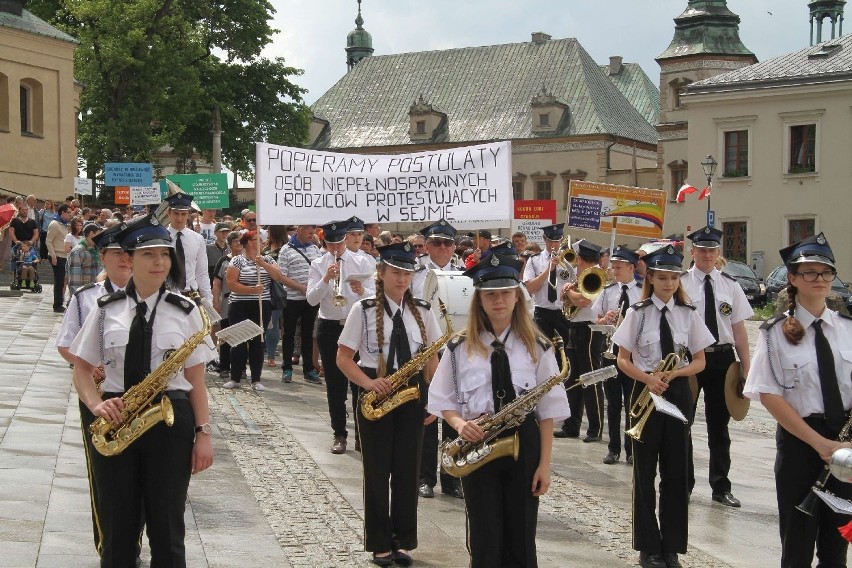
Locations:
{"points": [[278, 295]]}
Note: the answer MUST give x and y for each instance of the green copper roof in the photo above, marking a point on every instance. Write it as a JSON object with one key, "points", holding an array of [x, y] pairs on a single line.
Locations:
{"points": [[706, 27], [30, 23], [637, 88], [359, 37], [484, 91]]}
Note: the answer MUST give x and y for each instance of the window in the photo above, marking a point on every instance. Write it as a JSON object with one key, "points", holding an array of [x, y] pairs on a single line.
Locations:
{"points": [[421, 127], [544, 119], [679, 173], [544, 189], [677, 88], [26, 120], [735, 241], [517, 190], [802, 148], [4, 103], [800, 229], [31, 107], [736, 153]]}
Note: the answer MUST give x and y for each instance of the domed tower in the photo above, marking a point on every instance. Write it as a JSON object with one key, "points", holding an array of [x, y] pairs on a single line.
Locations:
{"points": [[359, 42], [822, 9]]}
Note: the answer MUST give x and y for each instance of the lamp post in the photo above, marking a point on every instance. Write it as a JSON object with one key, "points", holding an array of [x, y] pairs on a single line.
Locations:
{"points": [[709, 165]]}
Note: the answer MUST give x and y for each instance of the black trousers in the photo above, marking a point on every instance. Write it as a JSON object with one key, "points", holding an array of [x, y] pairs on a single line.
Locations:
{"points": [[253, 348], [86, 419], [336, 383], [225, 349], [58, 283], [390, 454], [297, 311], [429, 459], [152, 473], [502, 514], [617, 390], [797, 467], [583, 356], [664, 441]]}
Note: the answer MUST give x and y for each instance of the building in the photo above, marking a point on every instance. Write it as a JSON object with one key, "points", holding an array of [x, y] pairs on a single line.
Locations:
{"points": [[39, 103]]}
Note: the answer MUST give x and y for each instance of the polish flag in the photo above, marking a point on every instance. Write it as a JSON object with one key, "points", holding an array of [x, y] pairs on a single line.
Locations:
{"points": [[685, 190], [704, 193]]}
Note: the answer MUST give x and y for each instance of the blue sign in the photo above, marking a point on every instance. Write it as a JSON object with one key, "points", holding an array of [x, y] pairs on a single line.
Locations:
{"points": [[128, 174], [584, 213], [711, 218]]}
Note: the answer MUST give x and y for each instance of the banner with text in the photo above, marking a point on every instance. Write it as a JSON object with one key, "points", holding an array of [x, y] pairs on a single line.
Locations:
{"points": [[208, 191], [128, 174], [531, 215], [465, 185], [640, 212], [145, 195], [83, 186]]}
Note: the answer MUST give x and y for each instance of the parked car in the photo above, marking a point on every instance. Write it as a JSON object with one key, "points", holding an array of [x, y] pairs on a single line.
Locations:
{"points": [[777, 281], [754, 288]]}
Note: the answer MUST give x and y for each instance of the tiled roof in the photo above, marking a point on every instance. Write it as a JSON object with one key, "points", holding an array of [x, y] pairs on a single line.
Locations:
{"points": [[804, 65], [635, 85], [485, 92], [30, 23]]}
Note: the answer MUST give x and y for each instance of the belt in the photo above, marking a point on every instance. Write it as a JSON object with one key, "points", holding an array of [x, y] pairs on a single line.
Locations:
{"points": [[337, 322], [172, 394], [719, 348]]}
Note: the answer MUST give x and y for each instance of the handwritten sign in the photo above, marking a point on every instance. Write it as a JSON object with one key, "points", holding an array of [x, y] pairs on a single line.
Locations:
{"points": [[208, 191], [83, 186], [128, 174], [461, 185], [531, 215], [640, 212], [146, 195]]}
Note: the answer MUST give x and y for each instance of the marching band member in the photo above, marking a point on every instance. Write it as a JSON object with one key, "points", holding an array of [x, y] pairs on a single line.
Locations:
{"points": [[190, 247], [801, 374], [391, 445], [354, 238], [722, 304], [440, 246], [662, 323], [324, 283], [584, 351], [496, 358], [611, 306], [132, 332]]}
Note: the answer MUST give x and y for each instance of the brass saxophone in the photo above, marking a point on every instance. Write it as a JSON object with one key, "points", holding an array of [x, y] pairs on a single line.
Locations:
{"points": [[140, 412], [460, 457], [375, 406]]}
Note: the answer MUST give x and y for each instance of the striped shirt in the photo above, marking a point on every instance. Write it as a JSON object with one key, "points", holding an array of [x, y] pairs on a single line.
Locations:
{"points": [[248, 277], [293, 265]]}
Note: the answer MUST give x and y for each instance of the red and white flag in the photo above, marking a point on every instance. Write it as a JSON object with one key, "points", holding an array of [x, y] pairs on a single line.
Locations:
{"points": [[685, 190], [705, 192]]}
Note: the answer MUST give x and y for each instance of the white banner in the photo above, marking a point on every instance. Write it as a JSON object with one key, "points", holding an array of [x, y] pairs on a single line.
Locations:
{"points": [[145, 195], [469, 184], [82, 186]]}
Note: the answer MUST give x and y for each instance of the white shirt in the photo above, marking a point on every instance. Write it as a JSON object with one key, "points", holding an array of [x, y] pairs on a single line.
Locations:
{"points": [[354, 337], [208, 232], [473, 375], [82, 302], [172, 327], [778, 361], [321, 293], [639, 333], [195, 256], [729, 296], [608, 300], [537, 264]]}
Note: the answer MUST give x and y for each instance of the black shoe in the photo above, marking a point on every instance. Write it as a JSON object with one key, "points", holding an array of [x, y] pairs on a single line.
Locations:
{"points": [[426, 491], [648, 560], [592, 438], [385, 560], [629, 460], [402, 558], [611, 458], [671, 560], [453, 491], [565, 434], [59, 310], [726, 499]]}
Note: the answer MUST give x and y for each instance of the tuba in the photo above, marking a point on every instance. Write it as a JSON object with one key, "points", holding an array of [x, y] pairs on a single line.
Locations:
{"points": [[644, 405], [590, 283], [141, 411]]}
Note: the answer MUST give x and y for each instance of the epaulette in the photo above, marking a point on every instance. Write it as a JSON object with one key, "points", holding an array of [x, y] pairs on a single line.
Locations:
{"points": [[422, 303], [728, 276], [419, 267], [369, 303], [457, 340], [643, 304], [773, 320], [185, 304], [685, 305], [543, 341], [88, 286], [610, 285], [110, 298]]}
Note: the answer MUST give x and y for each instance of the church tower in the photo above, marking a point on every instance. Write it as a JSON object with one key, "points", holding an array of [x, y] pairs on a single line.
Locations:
{"points": [[706, 43], [359, 42], [822, 9]]}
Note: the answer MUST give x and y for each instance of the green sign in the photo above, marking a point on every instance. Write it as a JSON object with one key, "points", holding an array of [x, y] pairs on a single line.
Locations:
{"points": [[209, 191]]}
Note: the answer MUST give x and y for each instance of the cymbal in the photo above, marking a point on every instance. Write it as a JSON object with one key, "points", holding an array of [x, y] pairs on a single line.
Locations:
{"points": [[736, 402]]}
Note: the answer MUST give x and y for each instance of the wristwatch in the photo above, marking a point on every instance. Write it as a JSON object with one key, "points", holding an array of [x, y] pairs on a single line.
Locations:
{"points": [[204, 428]]}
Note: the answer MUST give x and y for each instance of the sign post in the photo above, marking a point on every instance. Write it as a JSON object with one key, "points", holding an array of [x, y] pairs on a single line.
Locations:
{"points": [[711, 218]]}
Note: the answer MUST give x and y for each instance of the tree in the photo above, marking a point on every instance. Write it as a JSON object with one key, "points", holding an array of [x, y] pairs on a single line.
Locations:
{"points": [[154, 70]]}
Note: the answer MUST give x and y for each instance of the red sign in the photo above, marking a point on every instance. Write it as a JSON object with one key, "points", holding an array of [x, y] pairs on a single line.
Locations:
{"points": [[542, 209], [122, 195]]}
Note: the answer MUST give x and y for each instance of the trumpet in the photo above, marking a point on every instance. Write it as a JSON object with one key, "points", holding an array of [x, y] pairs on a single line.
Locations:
{"points": [[644, 405], [589, 284], [610, 346], [338, 300]]}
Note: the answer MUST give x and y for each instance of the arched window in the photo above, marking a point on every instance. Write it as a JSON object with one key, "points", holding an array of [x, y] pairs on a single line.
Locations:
{"points": [[677, 88], [32, 107]]}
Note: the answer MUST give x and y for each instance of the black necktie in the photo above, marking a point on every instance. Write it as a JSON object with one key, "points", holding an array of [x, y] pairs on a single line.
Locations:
{"points": [[399, 342], [831, 400], [710, 308], [623, 301], [666, 339], [501, 375], [137, 357], [551, 288], [182, 259]]}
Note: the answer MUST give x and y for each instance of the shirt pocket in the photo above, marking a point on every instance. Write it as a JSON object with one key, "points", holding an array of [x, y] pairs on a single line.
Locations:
{"points": [[415, 339], [845, 366], [796, 367], [645, 350], [115, 344], [167, 342], [523, 380]]}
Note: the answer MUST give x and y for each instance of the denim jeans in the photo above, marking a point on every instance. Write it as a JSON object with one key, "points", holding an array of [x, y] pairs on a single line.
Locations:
{"points": [[273, 333]]}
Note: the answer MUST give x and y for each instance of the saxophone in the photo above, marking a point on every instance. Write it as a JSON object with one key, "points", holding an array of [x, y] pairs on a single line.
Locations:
{"points": [[140, 412], [375, 406], [460, 457]]}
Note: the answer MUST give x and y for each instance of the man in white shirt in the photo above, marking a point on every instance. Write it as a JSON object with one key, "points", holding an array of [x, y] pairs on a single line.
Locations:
{"points": [[190, 247]]}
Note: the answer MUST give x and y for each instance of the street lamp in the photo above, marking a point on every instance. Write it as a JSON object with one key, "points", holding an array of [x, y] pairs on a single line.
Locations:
{"points": [[709, 165]]}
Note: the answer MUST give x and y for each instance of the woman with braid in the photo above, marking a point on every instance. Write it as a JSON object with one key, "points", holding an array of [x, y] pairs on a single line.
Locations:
{"points": [[386, 331], [802, 374]]}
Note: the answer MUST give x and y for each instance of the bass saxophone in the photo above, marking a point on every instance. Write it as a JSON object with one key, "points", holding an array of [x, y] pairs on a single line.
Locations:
{"points": [[140, 412], [460, 457], [375, 406]]}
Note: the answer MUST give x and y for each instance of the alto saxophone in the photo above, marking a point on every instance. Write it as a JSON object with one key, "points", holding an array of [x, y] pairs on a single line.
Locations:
{"points": [[140, 412], [460, 457], [375, 406]]}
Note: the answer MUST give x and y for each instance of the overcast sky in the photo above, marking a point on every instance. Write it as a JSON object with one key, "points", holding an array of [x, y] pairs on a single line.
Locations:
{"points": [[313, 33]]}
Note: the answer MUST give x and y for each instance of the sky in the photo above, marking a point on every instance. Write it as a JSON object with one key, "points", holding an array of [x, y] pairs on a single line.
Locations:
{"points": [[312, 34]]}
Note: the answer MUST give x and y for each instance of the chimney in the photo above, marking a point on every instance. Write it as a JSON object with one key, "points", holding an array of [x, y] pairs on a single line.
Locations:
{"points": [[615, 64], [540, 37]]}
